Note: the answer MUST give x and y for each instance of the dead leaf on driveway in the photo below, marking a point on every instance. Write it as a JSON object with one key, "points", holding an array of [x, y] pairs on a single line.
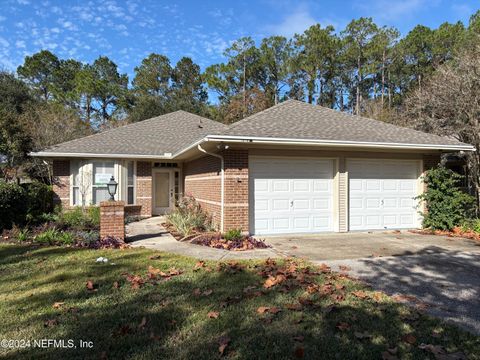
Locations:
{"points": [[344, 268]]}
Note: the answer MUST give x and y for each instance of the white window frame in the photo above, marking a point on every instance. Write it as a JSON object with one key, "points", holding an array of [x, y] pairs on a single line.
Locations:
{"points": [[134, 185]]}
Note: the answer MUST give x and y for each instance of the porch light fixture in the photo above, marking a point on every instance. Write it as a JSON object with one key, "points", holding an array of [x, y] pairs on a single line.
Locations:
{"points": [[112, 188]]}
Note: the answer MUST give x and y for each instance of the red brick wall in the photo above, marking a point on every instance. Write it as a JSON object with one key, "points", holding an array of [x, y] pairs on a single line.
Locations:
{"points": [[236, 190], [61, 184], [112, 219], [202, 181], [144, 187]]}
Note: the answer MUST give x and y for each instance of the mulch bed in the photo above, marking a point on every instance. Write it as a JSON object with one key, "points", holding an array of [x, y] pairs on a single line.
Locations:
{"points": [[216, 241], [455, 232]]}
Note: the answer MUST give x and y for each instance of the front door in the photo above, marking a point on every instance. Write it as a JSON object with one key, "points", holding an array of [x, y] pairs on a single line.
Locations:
{"points": [[162, 191]]}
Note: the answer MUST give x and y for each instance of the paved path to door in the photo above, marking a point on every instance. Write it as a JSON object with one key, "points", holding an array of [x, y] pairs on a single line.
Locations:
{"points": [[442, 273]]}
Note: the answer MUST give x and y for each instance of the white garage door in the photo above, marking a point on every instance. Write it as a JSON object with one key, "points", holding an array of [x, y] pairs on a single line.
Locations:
{"points": [[382, 193], [290, 195]]}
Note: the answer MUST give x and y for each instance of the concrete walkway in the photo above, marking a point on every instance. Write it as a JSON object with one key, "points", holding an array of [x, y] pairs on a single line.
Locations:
{"points": [[150, 233]]}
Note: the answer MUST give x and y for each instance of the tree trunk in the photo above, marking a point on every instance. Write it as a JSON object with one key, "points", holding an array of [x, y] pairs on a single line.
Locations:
{"points": [[359, 79], [383, 76]]}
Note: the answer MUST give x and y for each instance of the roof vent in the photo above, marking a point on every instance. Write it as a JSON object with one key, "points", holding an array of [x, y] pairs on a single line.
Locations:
{"points": [[200, 125]]}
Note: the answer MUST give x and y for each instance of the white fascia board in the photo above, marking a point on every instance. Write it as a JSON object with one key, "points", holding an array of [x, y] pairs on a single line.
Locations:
{"points": [[363, 144], [48, 154]]}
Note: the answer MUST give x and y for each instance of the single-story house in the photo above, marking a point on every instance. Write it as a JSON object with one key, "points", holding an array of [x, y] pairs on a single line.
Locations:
{"points": [[293, 168]]}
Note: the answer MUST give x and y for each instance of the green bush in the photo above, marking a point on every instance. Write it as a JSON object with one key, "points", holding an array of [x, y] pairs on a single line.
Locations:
{"points": [[22, 204], [189, 216], [39, 198], [54, 236], [13, 205], [233, 234], [80, 219], [447, 205]]}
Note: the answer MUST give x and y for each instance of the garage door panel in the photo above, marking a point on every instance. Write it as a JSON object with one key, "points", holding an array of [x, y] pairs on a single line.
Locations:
{"points": [[386, 198], [299, 195]]}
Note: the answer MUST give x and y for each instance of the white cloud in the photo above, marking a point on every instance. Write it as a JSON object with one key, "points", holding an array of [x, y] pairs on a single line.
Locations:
{"points": [[20, 44], [295, 23], [23, 2], [2, 18], [67, 24], [393, 10], [4, 43]]}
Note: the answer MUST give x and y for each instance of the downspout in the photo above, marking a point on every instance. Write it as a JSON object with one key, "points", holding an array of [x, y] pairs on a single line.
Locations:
{"points": [[222, 182]]}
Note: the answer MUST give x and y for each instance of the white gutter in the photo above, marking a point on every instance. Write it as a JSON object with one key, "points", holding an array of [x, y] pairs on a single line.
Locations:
{"points": [[288, 141], [222, 183], [107, 156]]}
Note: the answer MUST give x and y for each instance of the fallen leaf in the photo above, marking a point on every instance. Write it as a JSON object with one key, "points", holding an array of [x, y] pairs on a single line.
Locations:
{"points": [[207, 292], [50, 322], [197, 292], [274, 280], [58, 305], [404, 298], [294, 307], [343, 326], [263, 309], [213, 314], [299, 338], [360, 294], [155, 337], [324, 268], [409, 339], [116, 285], [344, 268], [142, 324], [154, 257], [90, 286], [274, 310], [223, 343], [299, 352]]}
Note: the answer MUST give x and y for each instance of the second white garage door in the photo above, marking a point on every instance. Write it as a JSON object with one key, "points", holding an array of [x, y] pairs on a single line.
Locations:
{"points": [[382, 194], [290, 195]]}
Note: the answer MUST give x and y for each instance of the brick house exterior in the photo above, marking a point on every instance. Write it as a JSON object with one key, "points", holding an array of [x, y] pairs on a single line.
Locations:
{"points": [[323, 166]]}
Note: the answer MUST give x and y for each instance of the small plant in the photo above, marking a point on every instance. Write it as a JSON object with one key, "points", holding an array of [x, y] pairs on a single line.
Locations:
{"points": [[86, 238], [188, 217], [233, 234], [447, 205], [94, 214], [48, 237], [65, 238], [23, 235], [80, 219]]}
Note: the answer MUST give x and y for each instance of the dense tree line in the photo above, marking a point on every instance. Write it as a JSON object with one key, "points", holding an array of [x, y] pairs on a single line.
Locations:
{"points": [[364, 69]]}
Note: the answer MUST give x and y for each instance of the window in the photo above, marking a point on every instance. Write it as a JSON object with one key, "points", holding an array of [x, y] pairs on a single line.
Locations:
{"points": [[130, 183], [102, 172], [76, 183]]}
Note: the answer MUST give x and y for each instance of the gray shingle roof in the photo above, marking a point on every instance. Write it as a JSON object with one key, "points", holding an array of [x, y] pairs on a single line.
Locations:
{"points": [[298, 120], [156, 136]]}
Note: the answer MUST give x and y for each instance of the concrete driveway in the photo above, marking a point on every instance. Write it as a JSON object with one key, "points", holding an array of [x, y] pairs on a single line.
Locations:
{"points": [[441, 273]]}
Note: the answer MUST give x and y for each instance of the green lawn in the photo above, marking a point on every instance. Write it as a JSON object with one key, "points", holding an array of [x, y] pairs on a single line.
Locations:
{"points": [[169, 317]]}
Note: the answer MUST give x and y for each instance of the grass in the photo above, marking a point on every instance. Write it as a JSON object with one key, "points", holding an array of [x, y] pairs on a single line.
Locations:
{"points": [[168, 319]]}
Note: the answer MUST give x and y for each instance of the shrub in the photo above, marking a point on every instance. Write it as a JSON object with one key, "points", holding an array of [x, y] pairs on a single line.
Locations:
{"points": [[233, 234], [53, 236], [447, 205], [188, 216], [86, 238], [13, 205], [26, 203], [39, 199], [48, 237], [23, 235], [78, 219]]}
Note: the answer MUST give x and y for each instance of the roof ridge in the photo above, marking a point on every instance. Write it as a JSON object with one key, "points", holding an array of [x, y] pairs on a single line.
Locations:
{"points": [[142, 122], [231, 126]]}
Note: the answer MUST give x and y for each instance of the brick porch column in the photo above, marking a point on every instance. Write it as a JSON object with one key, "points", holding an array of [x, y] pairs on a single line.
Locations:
{"points": [[112, 219]]}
